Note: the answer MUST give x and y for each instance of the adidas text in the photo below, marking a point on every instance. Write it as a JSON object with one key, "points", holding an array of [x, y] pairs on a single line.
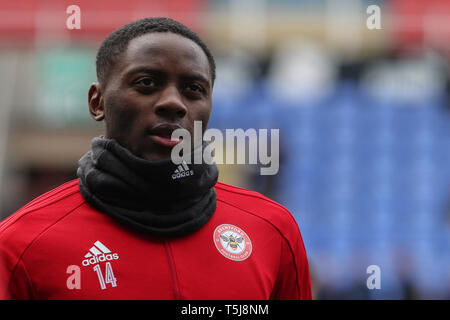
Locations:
{"points": [[100, 258], [182, 174]]}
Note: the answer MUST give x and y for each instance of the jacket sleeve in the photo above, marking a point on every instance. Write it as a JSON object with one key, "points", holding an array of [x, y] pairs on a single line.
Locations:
{"points": [[14, 285], [14, 279], [293, 282]]}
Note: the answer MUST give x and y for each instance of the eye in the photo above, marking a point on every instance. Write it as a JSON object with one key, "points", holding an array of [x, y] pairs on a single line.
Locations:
{"points": [[145, 82], [195, 88]]}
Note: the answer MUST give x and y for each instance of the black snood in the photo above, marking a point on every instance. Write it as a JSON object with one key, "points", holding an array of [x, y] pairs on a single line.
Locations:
{"points": [[159, 198]]}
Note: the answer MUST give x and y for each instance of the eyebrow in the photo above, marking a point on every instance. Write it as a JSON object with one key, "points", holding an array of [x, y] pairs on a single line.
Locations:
{"points": [[186, 76], [195, 77], [143, 70]]}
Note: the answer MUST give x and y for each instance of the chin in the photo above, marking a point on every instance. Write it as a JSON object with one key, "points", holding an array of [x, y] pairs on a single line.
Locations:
{"points": [[155, 156]]}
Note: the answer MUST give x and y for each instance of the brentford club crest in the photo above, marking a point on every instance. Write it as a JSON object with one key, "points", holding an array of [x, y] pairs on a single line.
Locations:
{"points": [[232, 242]]}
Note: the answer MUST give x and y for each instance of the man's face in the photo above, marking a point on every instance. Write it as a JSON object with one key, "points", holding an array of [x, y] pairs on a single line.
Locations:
{"points": [[162, 82]]}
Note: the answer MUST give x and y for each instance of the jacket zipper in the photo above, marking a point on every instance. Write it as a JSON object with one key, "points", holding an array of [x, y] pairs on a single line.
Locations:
{"points": [[172, 270]]}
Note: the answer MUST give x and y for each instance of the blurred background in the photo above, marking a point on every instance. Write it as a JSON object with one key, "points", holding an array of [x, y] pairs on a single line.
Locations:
{"points": [[364, 119]]}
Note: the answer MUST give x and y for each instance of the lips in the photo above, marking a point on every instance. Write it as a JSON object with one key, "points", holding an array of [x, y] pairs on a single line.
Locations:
{"points": [[161, 134]]}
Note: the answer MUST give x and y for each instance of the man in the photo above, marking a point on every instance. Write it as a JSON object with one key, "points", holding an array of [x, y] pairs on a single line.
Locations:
{"points": [[132, 226]]}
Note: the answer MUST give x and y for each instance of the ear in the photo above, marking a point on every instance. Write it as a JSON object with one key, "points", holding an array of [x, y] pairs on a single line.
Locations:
{"points": [[96, 104]]}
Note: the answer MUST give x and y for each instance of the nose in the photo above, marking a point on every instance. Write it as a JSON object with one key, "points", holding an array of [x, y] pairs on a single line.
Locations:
{"points": [[170, 104]]}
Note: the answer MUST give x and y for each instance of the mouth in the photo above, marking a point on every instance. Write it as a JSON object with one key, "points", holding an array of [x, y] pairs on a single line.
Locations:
{"points": [[162, 134]]}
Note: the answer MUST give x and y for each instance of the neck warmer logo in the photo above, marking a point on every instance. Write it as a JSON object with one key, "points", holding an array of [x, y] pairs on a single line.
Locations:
{"points": [[182, 171]]}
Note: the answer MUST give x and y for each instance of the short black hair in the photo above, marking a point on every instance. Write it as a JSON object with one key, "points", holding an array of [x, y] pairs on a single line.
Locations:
{"points": [[116, 43]]}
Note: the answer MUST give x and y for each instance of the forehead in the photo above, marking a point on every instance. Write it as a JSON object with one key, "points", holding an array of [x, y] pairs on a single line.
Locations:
{"points": [[165, 50]]}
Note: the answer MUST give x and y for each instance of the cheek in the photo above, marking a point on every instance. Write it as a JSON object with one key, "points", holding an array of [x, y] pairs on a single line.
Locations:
{"points": [[202, 114], [119, 115], [197, 113]]}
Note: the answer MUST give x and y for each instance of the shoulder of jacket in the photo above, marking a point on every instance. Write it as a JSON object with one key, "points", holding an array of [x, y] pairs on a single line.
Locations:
{"points": [[44, 210], [260, 206]]}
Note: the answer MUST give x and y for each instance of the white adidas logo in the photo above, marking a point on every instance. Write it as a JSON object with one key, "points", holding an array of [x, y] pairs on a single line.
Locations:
{"points": [[182, 171], [98, 253]]}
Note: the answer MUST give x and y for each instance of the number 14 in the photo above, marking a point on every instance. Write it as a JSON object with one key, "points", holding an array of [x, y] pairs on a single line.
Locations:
{"points": [[109, 278]]}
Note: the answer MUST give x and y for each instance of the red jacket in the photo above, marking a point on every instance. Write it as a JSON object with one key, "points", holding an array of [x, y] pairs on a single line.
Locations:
{"points": [[59, 247]]}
